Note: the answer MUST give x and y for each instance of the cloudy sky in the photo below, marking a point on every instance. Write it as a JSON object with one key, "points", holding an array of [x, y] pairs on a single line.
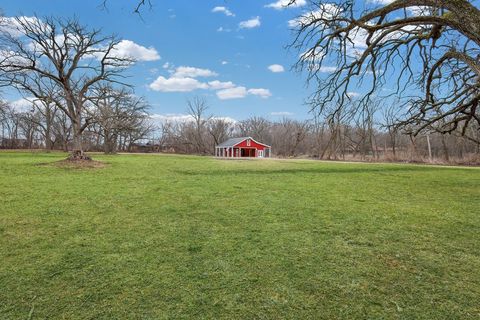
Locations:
{"points": [[230, 51]]}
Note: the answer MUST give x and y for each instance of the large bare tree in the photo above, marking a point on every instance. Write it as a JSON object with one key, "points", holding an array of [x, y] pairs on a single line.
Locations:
{"points": [[63, 57], [425, 53]]}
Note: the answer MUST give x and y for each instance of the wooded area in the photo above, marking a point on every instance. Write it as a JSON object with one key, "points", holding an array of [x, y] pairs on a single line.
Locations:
{"points": [[125, 126]]}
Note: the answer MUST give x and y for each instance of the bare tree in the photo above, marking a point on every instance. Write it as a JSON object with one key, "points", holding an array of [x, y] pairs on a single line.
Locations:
{"points": [[197, 107], [3, 121], [220, 129], [431, 48], [288, 135], [62, 130], [11, 127], [116, 113], [43, 117], [256, 127], [64, 56], [389, 120]]}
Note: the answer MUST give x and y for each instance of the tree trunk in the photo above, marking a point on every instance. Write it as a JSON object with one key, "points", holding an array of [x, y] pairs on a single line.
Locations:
{"points": [[445, 149], [413, 152], [77, 152], [65, 143], [48, 129], [394, 145], [48, 138], [109, 143], [429, 149], [106, 142]]}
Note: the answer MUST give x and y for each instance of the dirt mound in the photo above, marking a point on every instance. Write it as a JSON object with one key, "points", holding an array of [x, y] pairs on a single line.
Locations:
{"points": [[77, 164]]}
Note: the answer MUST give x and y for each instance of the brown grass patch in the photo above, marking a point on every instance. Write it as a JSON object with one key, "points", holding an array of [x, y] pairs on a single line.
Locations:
{"points": [[77, 164]]}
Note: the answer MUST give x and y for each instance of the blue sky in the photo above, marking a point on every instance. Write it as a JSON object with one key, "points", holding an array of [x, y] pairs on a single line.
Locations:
{"points": [[228, 53]]}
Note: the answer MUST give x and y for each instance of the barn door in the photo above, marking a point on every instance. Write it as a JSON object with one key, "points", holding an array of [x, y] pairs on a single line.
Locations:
{"points": [[260, 153]]}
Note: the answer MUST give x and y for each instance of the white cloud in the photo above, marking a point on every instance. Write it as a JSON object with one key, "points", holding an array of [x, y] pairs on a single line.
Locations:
{"points": [[379, 1], [419, 11], [128, 48], [183, 79], [226, 119], [222, 29], [171, 117], [263, 93], [224, 90], [11, 26], [242, 92], [23, 104], [232, 93], [276, 68], [224, 62], [14, 58], [327, 69], [249, 24], [353, 94], [224, 10], [282, 4], [281, 113], [167, 65], [192, 72], [176, 84], [325, 11], [218, 85], [124, 49], [358, 39], [179, 117]]}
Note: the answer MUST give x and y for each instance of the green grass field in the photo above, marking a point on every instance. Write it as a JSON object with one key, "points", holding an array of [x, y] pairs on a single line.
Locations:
{"points": [[157, 237]]}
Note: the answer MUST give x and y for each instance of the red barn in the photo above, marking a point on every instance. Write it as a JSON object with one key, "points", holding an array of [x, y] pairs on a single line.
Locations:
{"points": [[244, 147]]}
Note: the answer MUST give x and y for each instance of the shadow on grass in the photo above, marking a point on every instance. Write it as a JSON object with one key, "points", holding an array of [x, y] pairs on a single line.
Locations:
{"points": [[79, 164], [346, 170]]}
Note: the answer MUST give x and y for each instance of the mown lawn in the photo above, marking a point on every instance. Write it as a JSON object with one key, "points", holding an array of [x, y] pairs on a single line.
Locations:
{"points": [[156, 237]]}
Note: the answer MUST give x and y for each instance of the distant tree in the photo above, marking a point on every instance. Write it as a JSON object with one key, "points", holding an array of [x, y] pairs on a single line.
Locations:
{"points": [[220, 129], [28, 125], [46, 121], [256, 127], [3, 122], [117, 112], [62, 130], [10, 120], [288, 135], [42, 115], [197, 108], [60, 62], [389, 120], [430, 48]]}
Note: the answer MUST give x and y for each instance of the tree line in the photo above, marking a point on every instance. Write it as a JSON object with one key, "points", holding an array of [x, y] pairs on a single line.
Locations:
{"points": [[365, 136], [121, 123], [116, 123]]}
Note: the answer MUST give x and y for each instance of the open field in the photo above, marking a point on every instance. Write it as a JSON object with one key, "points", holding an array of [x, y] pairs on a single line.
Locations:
{"points": [[151, 237]]}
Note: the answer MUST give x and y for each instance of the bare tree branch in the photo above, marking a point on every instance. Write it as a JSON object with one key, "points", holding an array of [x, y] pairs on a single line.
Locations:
{"points": [[427, 50]]}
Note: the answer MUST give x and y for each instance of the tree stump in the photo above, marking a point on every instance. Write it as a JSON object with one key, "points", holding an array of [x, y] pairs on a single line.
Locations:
{"points": [[78, 155]]}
